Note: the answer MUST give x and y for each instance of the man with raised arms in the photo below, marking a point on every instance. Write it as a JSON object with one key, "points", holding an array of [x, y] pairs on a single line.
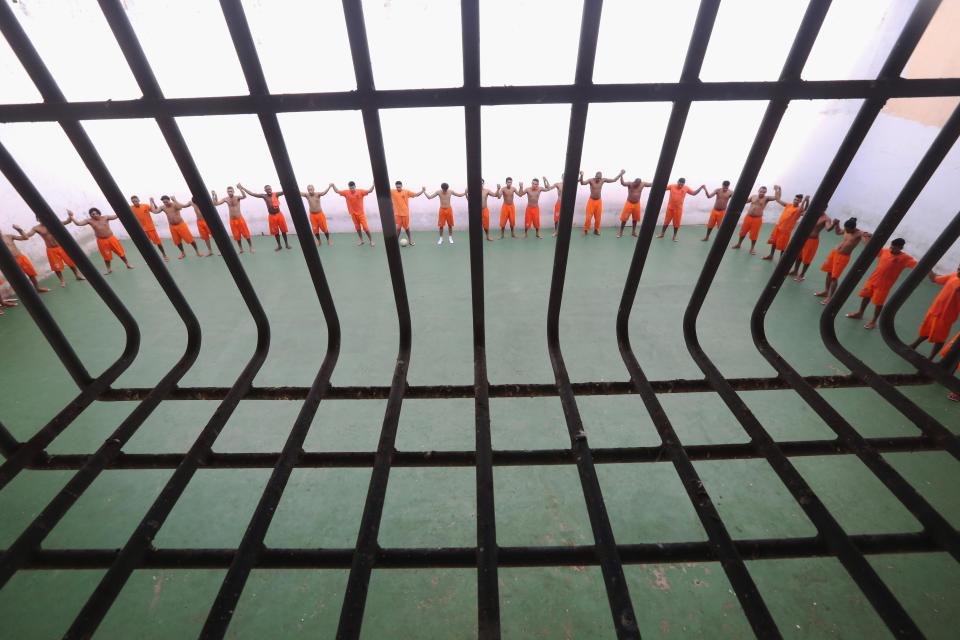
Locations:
{"points": [[276, 221], [144, 216], [810, 246], [25, 265], [354, 198], [238, 226], [631, 208], [722, 197], [838, 259], [318, 220], [107, 243], [531, 215], [445, 215], [203, 230], [55, 253], [595, 203], [754, 218], [400, 198], [556, 205], [508, 210], [678, 193], [179, 231], [780, 236], [890, 264]]}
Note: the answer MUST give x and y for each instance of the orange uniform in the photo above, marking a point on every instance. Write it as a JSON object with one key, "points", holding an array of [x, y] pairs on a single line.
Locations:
{"points": [[318, 222], [108, 246], [202, 229], [716, 217], [809, 251], [485, 216], [508, 212], [445, 217], [277, 223], [556, 211], [889, 268], [751, 225], [780, 236], [180, 233], [145, 218], [835, 264], [57, 258], [675, 203], [943, 310], [27, 266], [531, 216], [594, 212], [630, 209], [401, 207], [238, 226], [355, 207]]}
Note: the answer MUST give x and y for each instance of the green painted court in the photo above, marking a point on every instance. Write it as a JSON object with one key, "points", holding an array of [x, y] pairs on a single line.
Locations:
{"points": [[436, 506]]}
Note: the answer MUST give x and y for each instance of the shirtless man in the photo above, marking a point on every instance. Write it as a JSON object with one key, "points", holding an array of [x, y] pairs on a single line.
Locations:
{"points": [[631, 208], [143, 214], [508, 210], [276, 222], [754, 218], [238, 226], [55, 253], [202, 229], [838, 259], [809, 251], [723, 195], [445, 215], [179, 231], [674, 214], [400, 198], [354, 198], [531, 215], [485, 212], [595, 204], [556, 205], [106, 241], [6, 302], [22, 260], [318, 221]]}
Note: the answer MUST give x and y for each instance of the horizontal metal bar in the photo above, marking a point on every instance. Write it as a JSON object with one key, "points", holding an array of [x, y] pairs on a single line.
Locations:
{"points": [[485, 96]]}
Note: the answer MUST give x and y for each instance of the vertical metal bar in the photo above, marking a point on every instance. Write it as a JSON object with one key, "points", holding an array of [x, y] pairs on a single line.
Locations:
{"points": [[364, 558], [618, 594], [488, 592]]}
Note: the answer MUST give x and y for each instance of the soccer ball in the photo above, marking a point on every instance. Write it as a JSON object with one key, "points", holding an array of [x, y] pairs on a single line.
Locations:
{"points": [[404, 242]]}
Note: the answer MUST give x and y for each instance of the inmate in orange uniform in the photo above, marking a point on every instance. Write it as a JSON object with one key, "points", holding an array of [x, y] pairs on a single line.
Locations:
{"points": [[508, 212], [780, 236], [594, 212], [809, 251], [751, 225], [276, 221], [108, 246], [835, 264], [27, 266], [202, 229], [485, 217], [238, 227], [556, 211], [145, 218], [630, 210], [401, 207], [678, 192], [531, 215], [318, 222], [355, 207], [716, 217], [943, 310], [889, 267], [445, 217], [57, 258], [180, 233]]}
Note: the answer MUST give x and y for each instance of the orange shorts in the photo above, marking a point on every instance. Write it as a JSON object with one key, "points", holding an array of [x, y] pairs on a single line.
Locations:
{"points": [[751, 225], [779, 238], [630, 209], [403, 222], [445, 217], [203, 230], [238, 226], [360, 221], [153, 235], [556, 212], [318, 222], [809, 251], [594, 212], [835, 264], [935, 328], [716, 217], [508, 212], [180, 233], [531, 216], [108, 246], [27, 266], [485, 217], [58, 257], [277, 223], [877, 295], [674, 214]]}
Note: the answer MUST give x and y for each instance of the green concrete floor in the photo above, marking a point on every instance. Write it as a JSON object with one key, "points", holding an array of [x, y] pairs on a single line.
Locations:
{"points": [[436, 507]]}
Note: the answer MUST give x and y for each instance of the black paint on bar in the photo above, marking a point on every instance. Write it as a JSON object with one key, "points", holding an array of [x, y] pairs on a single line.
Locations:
{"points": [[8, 443]]}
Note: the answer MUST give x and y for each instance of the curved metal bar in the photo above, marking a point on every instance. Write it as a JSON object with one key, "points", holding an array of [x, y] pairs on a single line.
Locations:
{"points": [[365, 553]]}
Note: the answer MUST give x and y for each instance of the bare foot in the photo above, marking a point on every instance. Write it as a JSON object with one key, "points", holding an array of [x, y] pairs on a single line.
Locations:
{"points": [[675, 239], [360, 244], [80, 278], [955, 397], [539, 237], [825, 301], [704, 239], [752, 252], [620, 235], [241, 250], [108, 272], [596, 233], [330, 242], [855, 314], [765, 257], [634, 234], [870, 325], [555, 234], [800, 278], [181, 256], [63, 285], [371, 244], [42, 290], [289, 247], [252, 250], [166, 259], [792, 273], [277, 249], [209, 253], [489, 239], [129, 266], [821, 294], [735, 247], [660, 235], [513, 235]]}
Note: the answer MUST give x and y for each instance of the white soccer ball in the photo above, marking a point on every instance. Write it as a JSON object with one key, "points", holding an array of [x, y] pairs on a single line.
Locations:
{"points": [[404, 242]]}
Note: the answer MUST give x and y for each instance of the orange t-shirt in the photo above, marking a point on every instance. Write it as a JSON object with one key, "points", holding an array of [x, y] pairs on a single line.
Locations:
{"points": [[144, 217], [889, 267], [947, 302], [401, 206], [677, 194], [354, 200], [789, 217]]}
